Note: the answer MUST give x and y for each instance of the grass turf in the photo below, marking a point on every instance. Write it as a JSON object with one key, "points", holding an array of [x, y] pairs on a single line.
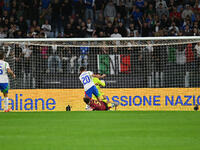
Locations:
{"points": [[100, 130]]}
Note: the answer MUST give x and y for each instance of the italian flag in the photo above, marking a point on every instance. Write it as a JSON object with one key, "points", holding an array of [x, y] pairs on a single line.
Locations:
{"points": [[114, 64]]}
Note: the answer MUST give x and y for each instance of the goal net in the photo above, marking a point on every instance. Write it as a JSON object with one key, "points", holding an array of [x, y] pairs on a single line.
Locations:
{"points": [[127, 62]]}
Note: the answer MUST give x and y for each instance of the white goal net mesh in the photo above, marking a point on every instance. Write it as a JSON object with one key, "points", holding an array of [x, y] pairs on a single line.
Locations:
{"points": [[127, 62]]}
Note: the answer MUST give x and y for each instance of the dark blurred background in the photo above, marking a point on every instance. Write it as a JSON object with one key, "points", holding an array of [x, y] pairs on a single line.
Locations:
{"points": [[98, 18]]}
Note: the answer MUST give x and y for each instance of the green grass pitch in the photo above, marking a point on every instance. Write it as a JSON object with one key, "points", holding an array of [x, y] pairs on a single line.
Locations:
{"points": [[137, 130]]}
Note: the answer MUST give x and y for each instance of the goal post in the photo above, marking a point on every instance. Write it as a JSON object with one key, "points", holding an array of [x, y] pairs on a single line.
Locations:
{"points": [[151, 73], [150, 62]]}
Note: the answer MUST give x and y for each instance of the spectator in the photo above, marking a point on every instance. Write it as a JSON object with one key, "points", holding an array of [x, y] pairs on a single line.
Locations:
{"points": [[150, 10], [120, 18], [195, 32], [137, 14], [180, 7], [97, 30], [90, 28], [60, 13], [83, 58], [89, 5], [101, 34], [44, 52], [116, 33], [128, 5], [47, 28], [187, 31], [26, 53], [180, 55], [19, 34], [150, 21], [6, 24], [56, 20], [12, 31], [196, 8], [164, 22], [115, 22], [121, 9], [66, 56], [76, 7], [186, 22], [45, 14], [14, 5], [68, 32], [73, 60], [196, 25], [6, 5], [122, 30], [160, 11], [145, 32], [146, 61], [174, 28], [72, 21], [100, 20], [108, 29], [110, 11], [187, 12], [171, 5], [34, 25], [11, 20], [161, 2], [66, 10], [83, 30], [45, 4], [18, 60], [34, 11], [2, 33], [139, 4], [98, 7], [132, 30], [7, 50], [5, 15], [54, 60], [22, 26], [145, 7], [13, 14], [175, 14], [158, 30]]}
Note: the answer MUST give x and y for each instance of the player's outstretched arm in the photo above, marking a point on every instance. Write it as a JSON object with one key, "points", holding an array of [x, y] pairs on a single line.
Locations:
{"points": [[98, 76], [11, 72], [102, 83]]}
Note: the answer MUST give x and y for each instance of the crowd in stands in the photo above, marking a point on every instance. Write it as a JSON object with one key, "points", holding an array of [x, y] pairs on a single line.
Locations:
{"points": [[98, 18]]}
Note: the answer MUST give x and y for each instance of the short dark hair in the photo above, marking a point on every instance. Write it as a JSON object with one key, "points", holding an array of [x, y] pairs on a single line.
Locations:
{"points": [[82, 69], [86, 100], [1, 55]]}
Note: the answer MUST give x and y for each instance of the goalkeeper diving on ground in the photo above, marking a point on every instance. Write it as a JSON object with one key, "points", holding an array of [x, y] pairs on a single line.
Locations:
{"points": [[95, 105]]}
